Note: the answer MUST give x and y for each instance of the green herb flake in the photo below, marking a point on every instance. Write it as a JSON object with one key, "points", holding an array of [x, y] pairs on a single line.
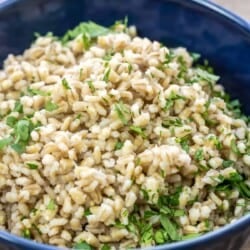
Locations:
{"points": [[91, 86], [32, 165], [19, 147], [105, 247], [33, 92], [90, 29], [178, 213], [108, 56], [235, 177], [26, 233], [195, 56], [147, 234], [149, 213], [18, 107], [86, 41], [216, 142], [106, 75], [234, 147], [119, 145], [50, 106], [176, 122], [184, 142], [65, 84], [171, 99], [138, 130], [205, 75], [11, 121], [169, 227], [227, 163], [191, 236], [5, 142], [37, 228], [169, 57], [198, 156], [87, 212], [130, 68], [51, 205], [160, 236], [122, 112], [22, 130], [82, 245], [145, 194]]}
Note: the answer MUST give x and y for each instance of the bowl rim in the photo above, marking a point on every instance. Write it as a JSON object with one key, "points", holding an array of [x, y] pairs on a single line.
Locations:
{"points": [[241, 223]]}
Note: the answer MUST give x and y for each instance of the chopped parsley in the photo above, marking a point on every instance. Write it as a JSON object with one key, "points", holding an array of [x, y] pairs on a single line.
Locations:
{"points": [[65, 84], [26, 233], [33, 92], [50, 106], [87, 29], [171, 99], [160, 236], [169, 227], [21, 134], [227, 163], [205, 75], [122, 112], [234, 147], [184, 142], [5, 142], [105, 247], [195, 56], [87, 212], [86, 40], [11, 121], [138, 130], [216, 142], [146, 234], [176, 122], [108, 55], [235, 180], [169, 57], [51, 205], [91, 86], [82, 245], [18, 107], [191, 236], [32, 165], [106, 75], [130, 68], [119, 145], [198, 156]]}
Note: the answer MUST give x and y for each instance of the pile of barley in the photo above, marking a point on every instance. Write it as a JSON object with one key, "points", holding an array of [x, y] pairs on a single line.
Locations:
{"points": [[121, 143]]}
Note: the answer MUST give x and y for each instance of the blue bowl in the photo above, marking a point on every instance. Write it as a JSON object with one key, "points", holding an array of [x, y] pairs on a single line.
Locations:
{"points": [[201, 26]]}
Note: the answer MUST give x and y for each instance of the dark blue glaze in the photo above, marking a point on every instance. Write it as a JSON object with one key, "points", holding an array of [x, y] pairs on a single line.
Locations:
{"points": [[201, 26]]}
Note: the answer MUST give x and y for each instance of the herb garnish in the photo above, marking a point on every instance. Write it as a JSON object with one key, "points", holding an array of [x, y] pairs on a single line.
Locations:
{"points": [[138, 130], [32, 165], [51, 205], [91, 86], [82, 245], [198, 156], [50, 106], [89, 30], [65, 84], [33, 92], [119, 145], [170, 100], [122, 112]]}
